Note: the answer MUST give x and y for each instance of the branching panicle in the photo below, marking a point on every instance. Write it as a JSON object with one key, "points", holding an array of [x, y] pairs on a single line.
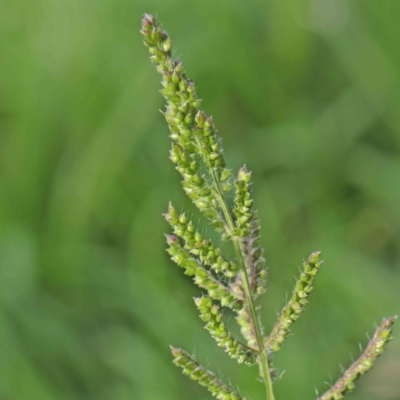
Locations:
{"points": [[197, 153]]}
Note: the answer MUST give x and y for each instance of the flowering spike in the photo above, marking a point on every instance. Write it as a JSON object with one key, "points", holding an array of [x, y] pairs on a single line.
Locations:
{"points": [[210, 313], [254, 257], [243, 202], [295, 305], [364, 363], [201, 277], [190, 127], [203, 249], [204, 377]]}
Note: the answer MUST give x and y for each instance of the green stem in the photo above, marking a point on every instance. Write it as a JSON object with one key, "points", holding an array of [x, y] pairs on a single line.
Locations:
{"points": [[249, 298], [245, 279]]}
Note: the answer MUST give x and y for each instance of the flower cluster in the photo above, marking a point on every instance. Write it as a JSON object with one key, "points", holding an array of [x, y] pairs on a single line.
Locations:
{"points": [[295, 305], [210, 313], [204, 377]]}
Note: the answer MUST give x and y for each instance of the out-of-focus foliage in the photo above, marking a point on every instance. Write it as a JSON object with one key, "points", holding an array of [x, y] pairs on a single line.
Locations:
{"points": [[306, 93]]}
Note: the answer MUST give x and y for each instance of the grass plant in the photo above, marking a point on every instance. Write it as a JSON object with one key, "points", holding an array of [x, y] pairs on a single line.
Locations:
{"points": [[235, 283]]}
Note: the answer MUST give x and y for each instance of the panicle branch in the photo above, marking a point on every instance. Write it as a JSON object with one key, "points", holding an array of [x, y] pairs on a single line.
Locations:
{"points": [[248, 230], [204, 377], [210, 313], [243, 202], [193, 133], [295, 305], [364, 363], [246, 324], [254, 257], [198, 246], [203, 278]]}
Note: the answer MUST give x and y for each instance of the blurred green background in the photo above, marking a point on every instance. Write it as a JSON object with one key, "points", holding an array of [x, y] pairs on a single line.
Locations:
{"points": [[306, 93]]}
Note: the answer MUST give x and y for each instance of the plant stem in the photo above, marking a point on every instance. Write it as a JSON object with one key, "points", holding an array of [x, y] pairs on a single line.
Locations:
{"points": [[242, 265], [249, 298]]}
